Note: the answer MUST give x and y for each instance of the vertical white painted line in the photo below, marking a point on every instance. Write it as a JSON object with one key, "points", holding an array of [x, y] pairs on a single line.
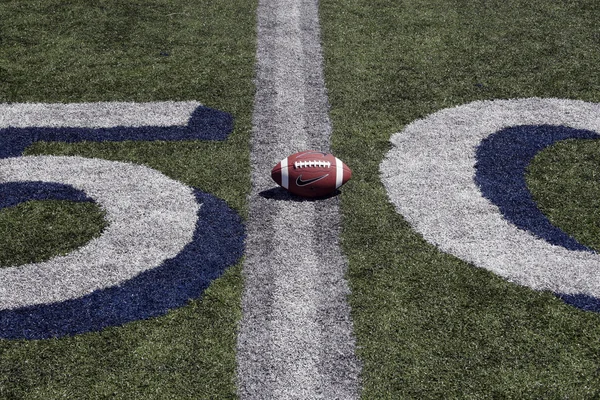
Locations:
{"points": [[295, 339]]}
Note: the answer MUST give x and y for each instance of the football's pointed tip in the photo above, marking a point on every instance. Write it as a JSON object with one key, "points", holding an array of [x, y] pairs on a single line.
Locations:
{"points": [[276, 174]]}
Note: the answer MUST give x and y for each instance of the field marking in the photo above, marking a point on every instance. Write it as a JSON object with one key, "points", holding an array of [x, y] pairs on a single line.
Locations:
{"points": [[161, 247], [429, 176], [96, 115], [295, 338], [151, 218]]}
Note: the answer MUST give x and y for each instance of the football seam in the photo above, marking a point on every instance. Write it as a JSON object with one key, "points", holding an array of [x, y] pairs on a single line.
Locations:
{"points": [[312, 164]]}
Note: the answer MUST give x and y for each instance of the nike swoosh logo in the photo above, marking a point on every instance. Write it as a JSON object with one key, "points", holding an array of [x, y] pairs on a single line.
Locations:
{"points": [[301, 182]]}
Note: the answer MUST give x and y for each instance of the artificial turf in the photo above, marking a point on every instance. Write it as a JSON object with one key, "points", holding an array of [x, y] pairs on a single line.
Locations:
{"points": [[564, 180], [64, 51], [428, 325], [38, 230]]}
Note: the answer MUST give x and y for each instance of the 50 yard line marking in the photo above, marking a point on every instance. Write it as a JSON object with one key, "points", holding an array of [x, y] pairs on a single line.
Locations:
{"points": [[295, 338]]}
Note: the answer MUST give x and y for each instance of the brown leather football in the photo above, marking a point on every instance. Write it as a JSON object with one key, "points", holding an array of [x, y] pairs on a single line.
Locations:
{"points": [[311, 173]]}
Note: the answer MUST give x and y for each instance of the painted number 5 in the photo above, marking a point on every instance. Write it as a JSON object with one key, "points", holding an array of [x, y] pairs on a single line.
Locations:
{"points": [[164, 244]]}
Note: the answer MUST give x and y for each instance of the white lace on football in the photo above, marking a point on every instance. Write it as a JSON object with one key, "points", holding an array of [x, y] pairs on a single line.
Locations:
{"points": [[314, 163]]}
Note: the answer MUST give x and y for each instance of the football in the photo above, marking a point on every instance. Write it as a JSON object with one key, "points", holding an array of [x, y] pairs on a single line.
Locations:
{"points": [[311, 173]]}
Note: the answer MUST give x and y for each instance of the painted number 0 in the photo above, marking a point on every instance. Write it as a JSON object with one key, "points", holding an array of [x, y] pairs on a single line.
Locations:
{"points": [[457, 176]]}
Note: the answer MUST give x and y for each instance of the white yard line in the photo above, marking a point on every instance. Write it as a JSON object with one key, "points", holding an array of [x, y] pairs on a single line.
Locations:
{"points": [[295, 338]]}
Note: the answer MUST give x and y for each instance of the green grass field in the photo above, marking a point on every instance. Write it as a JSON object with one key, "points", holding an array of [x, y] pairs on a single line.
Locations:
{"points": [[428, 325], [570, 196], [75, 51]]}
